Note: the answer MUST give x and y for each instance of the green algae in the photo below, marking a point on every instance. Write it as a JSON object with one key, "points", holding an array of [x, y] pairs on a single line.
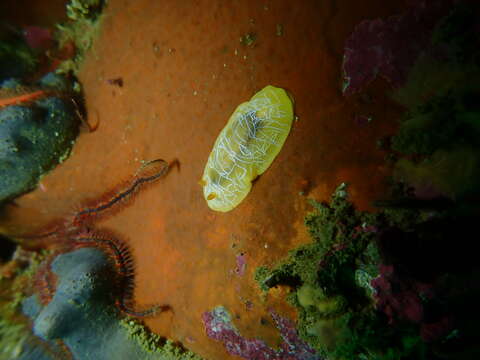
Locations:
{"points": [[315, 299], [82, 30], [80, 9], [454, 173], [14, 329], [279, 30], [440, 123], [16, 58], [437, 143], [154, 344], [330, 280], [248, 39], [322, 273], [261, 274], [442, 93], [13, 332]]}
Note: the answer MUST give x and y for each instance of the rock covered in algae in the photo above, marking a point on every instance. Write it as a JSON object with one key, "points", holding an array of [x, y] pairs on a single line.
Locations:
{"points": [[246, 147], [34, 138], [81, 316], [78, 312]]}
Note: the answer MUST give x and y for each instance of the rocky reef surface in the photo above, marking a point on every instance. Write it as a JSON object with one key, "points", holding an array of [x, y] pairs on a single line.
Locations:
{"points": [[35, 135], [81, 321]]}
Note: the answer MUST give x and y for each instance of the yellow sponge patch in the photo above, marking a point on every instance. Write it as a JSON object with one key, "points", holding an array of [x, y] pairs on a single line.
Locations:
{"points": [[246, 147]]}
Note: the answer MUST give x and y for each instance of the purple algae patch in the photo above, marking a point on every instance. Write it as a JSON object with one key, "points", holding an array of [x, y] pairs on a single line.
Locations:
{"points": [[389, 47], [219, 326], [241, 264]]}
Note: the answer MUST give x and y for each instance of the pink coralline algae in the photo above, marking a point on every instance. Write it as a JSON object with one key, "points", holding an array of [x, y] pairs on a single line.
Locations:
{"points": [[400, 299], [389, 48], [397, 299], [219, 326]]}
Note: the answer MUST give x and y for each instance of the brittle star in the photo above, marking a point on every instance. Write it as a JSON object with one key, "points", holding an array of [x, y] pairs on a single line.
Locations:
{"points": [[79, 231]]}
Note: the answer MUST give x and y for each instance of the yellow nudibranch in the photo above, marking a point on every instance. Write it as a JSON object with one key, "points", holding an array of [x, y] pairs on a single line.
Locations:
{"points": [[246, 147]]}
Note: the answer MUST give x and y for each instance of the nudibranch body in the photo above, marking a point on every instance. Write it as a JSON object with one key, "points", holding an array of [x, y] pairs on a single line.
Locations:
{"points": [[246, 147]]}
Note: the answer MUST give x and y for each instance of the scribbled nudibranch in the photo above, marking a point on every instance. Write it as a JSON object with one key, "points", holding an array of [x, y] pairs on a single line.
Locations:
{"points": [[246, 147]]}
